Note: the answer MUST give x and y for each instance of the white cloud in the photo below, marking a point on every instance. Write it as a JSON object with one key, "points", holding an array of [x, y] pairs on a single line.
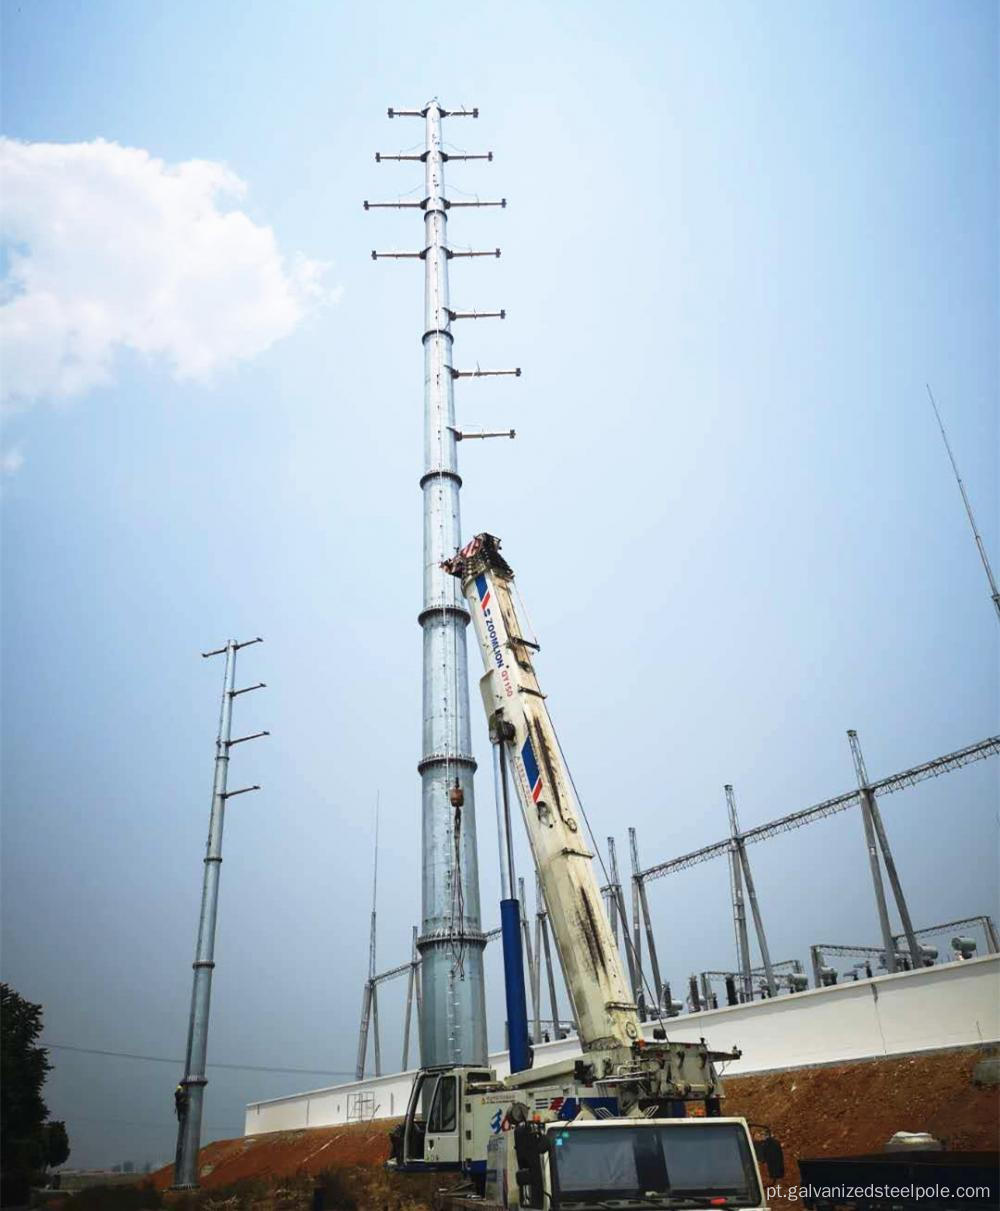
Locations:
{"points": [[11, 461], [109, 248]]}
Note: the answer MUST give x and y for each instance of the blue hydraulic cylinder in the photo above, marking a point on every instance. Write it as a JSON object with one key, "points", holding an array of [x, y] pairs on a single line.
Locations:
{"points": [[519, 1043]]}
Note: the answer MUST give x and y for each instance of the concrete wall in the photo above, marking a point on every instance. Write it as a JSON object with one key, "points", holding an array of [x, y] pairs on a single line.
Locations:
{"points": [[951, 1005]]}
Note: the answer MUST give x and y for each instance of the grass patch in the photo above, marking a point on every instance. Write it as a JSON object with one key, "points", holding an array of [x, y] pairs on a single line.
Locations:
{"points": [[116, 1198]]}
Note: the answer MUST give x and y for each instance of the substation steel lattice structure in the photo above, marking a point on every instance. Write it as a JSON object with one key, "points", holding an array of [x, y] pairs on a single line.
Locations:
{"points": [[734, 846], [451, 940]]}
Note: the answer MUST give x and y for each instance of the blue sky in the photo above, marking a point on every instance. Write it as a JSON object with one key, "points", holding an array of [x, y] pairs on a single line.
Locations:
{"points": [[739, 240]]}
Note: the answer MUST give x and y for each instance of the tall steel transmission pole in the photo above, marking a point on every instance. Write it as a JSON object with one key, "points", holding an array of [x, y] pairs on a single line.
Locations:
{"points": [[451, 942], [758, 920], [191, 1091], [739, 908], [875, 830], [994, 592]]}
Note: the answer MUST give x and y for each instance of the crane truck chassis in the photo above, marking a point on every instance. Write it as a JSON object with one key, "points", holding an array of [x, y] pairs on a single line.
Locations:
{"points": [[610, 1128]]}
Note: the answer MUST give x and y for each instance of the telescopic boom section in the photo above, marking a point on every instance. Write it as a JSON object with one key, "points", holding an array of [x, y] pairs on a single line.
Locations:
{"points": [[515, 706]]}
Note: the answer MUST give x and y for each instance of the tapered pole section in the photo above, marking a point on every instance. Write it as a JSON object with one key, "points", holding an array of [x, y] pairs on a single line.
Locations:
{"points": [[536, 974], [378, 1041], [612, 896], [638, 975], [453, 1026], [654, 963], [739, 908], [551, 975], [366, 1014], [618, 898], [194, 1081], [529, 957], [408, 1017], [758, 920], [870, 805]]}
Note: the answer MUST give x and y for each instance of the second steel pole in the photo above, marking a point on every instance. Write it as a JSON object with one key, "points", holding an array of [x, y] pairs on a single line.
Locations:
{"points": [[194, 1082]]}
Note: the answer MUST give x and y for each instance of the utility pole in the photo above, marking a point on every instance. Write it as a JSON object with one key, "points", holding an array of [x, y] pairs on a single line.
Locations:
{"points": [[994, 592], [739, 908], [612, 896], [411, 980], [758, 922], [369, 998], [640, 889], [451, 942], [619, 913], [189, 1102], [638, 976], [875, 829], [528, 955]]}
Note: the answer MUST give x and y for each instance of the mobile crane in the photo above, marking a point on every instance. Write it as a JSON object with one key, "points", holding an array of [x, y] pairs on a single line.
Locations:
{"points": [[612, 1124]]}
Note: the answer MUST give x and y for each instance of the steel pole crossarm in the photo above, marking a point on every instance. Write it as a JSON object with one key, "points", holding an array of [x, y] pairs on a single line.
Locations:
{"points": [[244, 739], [394, 205], [477, 315], [465, 434], [399, 256], [235, 646], [244, 791], [477, 373], [380, 156], [261, 685], [449, 205], [449, 253], [422, 113], [454, 155]]}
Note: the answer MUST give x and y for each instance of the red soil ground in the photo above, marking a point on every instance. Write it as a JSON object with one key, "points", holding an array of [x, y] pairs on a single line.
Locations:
{"points": [[834, 1111]]}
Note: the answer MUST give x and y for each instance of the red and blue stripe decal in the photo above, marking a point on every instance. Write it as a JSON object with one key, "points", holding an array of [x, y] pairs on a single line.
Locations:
{"points": [[531, 769], [484, 591]]}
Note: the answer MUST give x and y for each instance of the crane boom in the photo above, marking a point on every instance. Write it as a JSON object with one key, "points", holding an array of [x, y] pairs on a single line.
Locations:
{"points": [[519, 718]]}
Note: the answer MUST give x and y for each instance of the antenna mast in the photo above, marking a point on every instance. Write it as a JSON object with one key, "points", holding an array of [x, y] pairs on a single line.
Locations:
{"points": [[451, 941], [994, 592]]}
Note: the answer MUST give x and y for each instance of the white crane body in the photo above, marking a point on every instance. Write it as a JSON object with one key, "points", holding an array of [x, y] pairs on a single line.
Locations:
{"points": [[456, 1115], [603, 1007]]}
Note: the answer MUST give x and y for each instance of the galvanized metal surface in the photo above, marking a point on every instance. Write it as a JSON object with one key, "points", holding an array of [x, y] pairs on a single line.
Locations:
{"points": [[453, 1024], [870, 806], [450, 990], [194, 1079]]}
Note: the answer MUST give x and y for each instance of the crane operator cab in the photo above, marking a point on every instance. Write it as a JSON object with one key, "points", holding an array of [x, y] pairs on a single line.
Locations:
{"points": [[439, 1130]]}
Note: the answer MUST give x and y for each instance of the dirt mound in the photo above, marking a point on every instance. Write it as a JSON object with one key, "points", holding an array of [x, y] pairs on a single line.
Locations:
{"points": [[834, 1111], [843, 1109], [286, 1153]]}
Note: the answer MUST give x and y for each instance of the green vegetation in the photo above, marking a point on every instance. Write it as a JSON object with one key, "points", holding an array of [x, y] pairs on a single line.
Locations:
{"points": [[28, 1143]]}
